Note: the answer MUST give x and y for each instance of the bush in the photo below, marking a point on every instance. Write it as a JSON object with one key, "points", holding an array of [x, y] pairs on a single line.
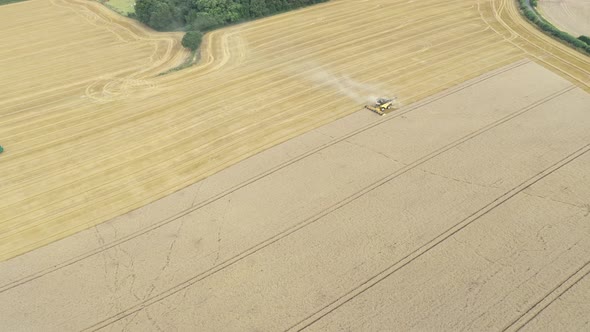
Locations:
{"points": [[192, 40], [1, 149], [585, 39]]}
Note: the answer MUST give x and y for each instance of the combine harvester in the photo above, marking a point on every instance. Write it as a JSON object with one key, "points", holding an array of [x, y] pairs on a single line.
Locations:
{"points": [[382, 105]]}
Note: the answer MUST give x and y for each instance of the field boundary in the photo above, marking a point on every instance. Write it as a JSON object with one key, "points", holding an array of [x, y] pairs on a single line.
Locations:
{"points": [[533, 16]]}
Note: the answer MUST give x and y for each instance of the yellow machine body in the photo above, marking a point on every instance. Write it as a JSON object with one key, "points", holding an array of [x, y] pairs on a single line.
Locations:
{"points": [[381, 106]]}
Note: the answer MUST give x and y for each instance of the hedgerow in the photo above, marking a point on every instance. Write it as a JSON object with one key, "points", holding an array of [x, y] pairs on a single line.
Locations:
{"points": [[548, 28], [206, 15]]}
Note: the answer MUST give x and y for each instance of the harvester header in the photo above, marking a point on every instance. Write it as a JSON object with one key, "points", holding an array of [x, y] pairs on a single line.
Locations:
{"points": [[382, 105]]}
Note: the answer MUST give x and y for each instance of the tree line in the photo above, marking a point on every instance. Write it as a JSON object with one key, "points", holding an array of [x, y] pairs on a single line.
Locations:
{"points": [[203, 15]]}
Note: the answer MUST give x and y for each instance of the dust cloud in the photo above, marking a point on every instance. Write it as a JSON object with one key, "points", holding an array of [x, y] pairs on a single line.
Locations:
{"points": [[357, 91], [360, 92]]}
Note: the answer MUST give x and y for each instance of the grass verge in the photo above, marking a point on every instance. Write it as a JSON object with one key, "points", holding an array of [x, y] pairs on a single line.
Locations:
{"points": [[123, 7]]}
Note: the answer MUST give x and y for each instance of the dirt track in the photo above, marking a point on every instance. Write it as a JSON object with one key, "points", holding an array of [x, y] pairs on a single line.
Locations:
{"points": [[467, 210], [572, 16]]}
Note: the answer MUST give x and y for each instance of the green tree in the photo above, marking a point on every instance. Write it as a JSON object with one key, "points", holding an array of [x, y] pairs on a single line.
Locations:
{"points": [[192, 40], [200, 21], [143, 10], [154, 13], [161, 16], [259, 8], [205, 15], [226, 11]]}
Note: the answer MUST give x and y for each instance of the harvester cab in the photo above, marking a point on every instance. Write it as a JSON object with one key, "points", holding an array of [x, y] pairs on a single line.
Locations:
{"points": [[382, 105]]}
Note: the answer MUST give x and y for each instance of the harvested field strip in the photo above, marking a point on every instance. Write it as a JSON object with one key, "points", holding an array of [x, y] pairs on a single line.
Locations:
{"points": [[415, 49], [26, 134], [173, 141], [55, 123], [64, 74]]}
